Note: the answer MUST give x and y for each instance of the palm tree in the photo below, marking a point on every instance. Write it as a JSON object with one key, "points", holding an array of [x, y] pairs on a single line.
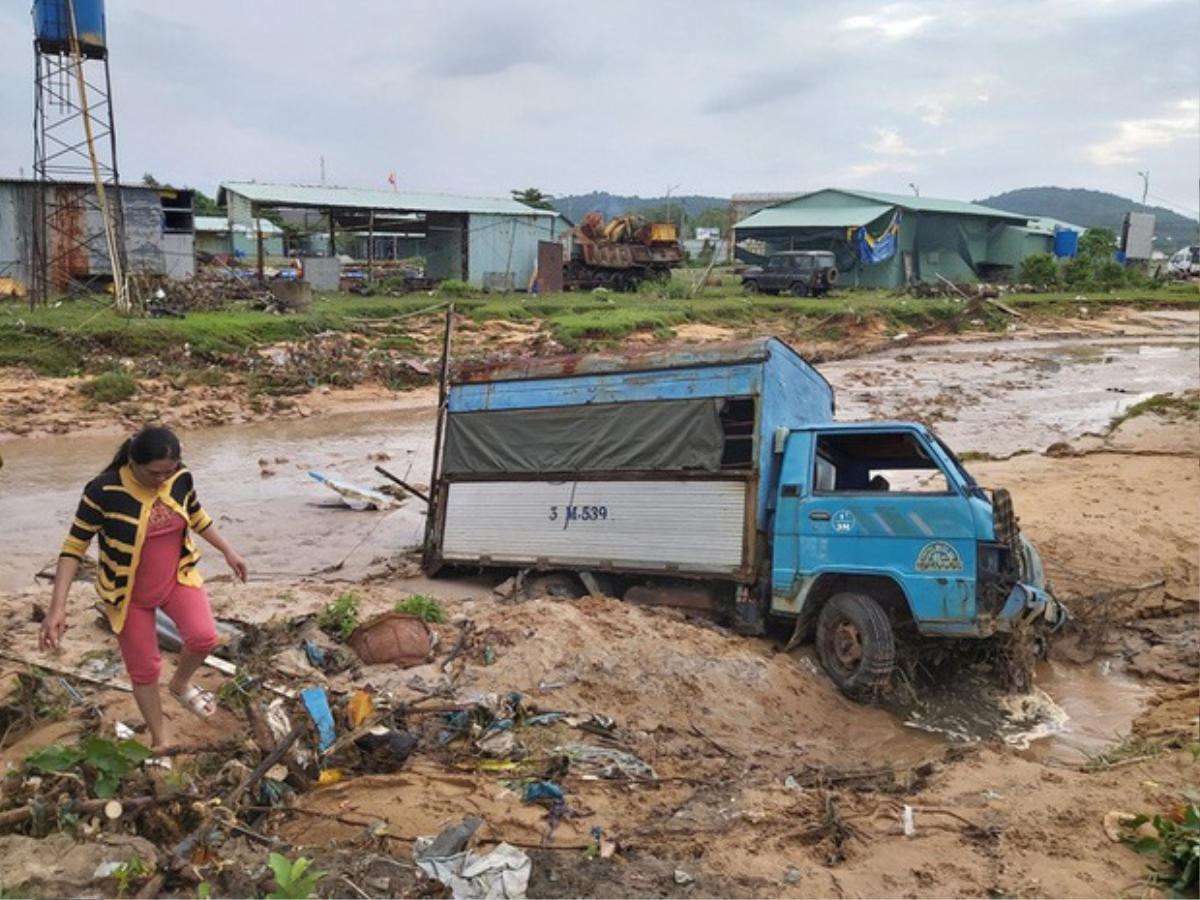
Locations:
{"points": [[531, 196]]}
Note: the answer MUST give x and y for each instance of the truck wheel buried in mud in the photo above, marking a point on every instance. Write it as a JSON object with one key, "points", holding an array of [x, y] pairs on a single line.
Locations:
{"points": [[856, 645]]}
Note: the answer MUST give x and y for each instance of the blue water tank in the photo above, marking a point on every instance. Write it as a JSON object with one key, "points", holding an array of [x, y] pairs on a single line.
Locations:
{"points": [[1066, 242], [52, 26]]}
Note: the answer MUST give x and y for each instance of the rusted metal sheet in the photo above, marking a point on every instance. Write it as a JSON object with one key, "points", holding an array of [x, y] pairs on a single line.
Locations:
{"points": [[67, 224], [550, 267], [636, 360]]}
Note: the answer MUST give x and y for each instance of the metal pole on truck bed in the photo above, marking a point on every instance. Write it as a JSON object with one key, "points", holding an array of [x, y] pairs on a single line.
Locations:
{"points": [[435, 471]]}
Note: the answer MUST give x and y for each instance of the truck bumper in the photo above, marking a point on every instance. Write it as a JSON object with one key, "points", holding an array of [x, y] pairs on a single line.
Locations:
{"points": [[1027, 604]]}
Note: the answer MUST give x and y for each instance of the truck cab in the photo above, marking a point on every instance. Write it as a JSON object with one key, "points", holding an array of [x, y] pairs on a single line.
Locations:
{"points": [[879, 529]]}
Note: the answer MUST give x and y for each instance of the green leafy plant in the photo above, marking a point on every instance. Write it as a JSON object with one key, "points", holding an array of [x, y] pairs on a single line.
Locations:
{"points": [[1177, 846], [340, 618], [233, 693], [1097, 243], [133, 869], [295, 879], [1040, 270], [109, 387], [419, 605], [107, 761]]}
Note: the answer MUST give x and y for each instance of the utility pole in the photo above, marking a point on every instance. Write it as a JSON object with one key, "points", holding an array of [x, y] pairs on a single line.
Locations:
{"points": [[673, 187], [1145, 185], [322, 170], [915, 188]]}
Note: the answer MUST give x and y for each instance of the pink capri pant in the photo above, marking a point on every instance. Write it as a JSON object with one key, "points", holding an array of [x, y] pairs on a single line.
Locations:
{"points": [[187, 607]]}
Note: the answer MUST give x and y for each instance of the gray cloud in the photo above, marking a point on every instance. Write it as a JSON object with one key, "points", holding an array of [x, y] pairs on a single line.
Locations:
{"points": [[965, 98]]}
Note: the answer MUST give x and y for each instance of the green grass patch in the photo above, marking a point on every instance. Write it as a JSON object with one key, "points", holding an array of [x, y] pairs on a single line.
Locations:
{"points": [[1169, 406], [109, 387], [427, 608]]}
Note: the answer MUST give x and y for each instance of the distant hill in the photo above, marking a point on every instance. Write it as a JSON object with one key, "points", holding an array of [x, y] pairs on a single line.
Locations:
{"points": [[1094, 209], [577, 206]]}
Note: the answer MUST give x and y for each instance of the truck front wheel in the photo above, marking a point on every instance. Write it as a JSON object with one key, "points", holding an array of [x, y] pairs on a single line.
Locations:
{"points": [[750, 287], [855, 644]]}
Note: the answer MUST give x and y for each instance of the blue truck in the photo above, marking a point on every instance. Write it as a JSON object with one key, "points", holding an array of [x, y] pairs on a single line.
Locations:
{"points": [[718, 477]]}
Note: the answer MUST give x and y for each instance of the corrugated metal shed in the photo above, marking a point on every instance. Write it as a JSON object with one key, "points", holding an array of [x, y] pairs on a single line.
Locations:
{"points": [[77, 247], [220, 224], [299, 196], [815, 217], [935, 238]]}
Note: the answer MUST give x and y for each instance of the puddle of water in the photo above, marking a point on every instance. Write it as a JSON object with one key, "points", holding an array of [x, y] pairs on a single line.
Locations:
{"points": [[285, 524], [1072, 713]]}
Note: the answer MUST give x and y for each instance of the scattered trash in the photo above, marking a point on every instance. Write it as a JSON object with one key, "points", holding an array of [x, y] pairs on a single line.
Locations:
{"points": [[541, 790], [359, 708], [392, 637], [791, 783], [354, 496], [503, 873], [906, 821], [489, 655], [792, 875], [545, 718], [330, 776], [682, 877], [123, 731], [497, 743], [317, 704], [315, 655], [385, 750], [604, 762], [229, 636]]}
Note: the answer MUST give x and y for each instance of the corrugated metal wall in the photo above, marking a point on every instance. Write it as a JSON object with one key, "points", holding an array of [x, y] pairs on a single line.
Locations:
{"points": [[503, 244], [635, 524], [145, 244]]}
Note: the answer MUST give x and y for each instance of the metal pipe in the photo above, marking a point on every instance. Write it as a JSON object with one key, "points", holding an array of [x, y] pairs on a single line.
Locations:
{"points": [[435, 473], [404, 484]]}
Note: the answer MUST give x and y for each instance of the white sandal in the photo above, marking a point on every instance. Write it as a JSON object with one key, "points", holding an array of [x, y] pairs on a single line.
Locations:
{"points": [[197, 701]]}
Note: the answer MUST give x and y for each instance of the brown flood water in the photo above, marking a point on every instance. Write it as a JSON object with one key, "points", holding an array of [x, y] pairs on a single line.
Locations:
{"points": [[286, 525]]}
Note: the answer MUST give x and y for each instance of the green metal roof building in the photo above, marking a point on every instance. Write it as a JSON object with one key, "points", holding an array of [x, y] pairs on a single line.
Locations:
{"points": [[889, 240]]}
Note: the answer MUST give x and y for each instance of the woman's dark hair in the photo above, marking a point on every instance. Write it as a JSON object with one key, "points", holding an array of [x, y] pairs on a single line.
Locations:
{"points": [[151, 443]]}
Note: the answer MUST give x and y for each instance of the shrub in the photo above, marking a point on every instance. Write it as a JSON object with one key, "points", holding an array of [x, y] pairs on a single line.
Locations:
{"points": [[1040, 270], [1097, 243], [1077, 273], [426, 608], [110, 387], [455, 287], [340, 618], [1109, 275]]}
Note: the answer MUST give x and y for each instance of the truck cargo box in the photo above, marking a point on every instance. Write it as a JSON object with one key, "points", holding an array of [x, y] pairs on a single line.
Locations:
{"points": [[645, 462]]}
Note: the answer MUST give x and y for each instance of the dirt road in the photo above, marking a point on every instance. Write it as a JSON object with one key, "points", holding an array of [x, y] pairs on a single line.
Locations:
{"points": [[766, 782]]}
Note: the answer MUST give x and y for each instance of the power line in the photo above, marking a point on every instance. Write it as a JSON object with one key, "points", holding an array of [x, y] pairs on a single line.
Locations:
{"points": [[1192, 211]]}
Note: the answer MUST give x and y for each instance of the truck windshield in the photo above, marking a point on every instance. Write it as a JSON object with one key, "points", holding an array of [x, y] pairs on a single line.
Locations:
{"points": [[972, 485]]}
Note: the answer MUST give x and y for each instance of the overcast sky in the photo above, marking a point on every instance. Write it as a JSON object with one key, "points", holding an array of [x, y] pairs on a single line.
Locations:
{"points": [[964, 99]]}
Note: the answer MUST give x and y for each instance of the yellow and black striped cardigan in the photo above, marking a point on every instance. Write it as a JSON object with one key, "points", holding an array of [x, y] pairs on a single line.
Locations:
{"points": [[116, 508]]}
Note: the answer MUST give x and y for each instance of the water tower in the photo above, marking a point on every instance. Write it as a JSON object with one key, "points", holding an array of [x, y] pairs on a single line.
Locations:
{"points": [[78, 221]]}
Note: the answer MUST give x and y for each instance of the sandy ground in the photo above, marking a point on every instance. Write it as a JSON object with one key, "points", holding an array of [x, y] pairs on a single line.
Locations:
{"points": [[767, 781]]}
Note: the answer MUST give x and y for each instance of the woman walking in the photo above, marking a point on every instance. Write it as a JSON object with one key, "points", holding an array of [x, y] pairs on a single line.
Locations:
{"points": [[142, 507]]}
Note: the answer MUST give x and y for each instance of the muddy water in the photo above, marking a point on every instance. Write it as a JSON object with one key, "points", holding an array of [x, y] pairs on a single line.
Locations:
{"points": [[1005, 396], [284, 524], [1071, 714]]}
